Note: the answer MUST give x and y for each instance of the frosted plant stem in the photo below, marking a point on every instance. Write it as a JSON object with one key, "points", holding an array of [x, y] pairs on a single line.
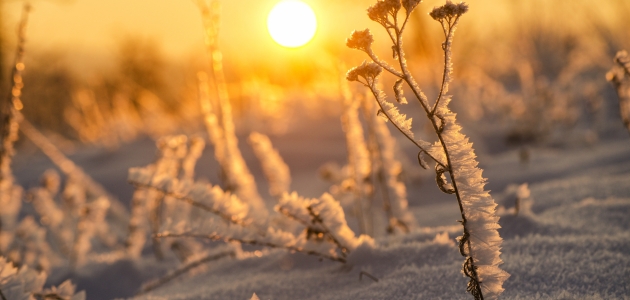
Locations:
{"points": [[375, 94], [10, 194], [183, 270], [480, 242], [318, 220], [156, 222], [438, 130], [233, 164], [194, 203], [447, 61], [215, 237], [12, 104]]}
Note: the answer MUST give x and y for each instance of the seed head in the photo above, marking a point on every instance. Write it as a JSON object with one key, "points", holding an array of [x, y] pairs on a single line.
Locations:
{"points": [[367, 70], [409, 5], [361, 40], [379, 11], [448, 10]]}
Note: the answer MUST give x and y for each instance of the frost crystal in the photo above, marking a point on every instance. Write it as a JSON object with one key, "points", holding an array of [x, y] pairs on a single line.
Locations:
{"points": [[479, 209]]}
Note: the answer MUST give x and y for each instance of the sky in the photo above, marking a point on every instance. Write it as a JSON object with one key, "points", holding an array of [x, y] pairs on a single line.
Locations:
{"points": [[93, 27]]}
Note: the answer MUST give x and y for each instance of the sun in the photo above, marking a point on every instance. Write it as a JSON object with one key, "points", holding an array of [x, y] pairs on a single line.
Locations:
{"points": [[291, 23]]}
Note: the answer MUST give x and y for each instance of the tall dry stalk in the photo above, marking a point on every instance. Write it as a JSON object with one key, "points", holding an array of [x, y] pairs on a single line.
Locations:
{"points": [[217, 111], [359, 162], [480, 243], [11, 194], [387, 170]]}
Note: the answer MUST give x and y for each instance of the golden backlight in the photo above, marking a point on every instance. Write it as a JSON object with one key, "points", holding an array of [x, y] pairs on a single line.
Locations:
{"points": [[291, 23]]}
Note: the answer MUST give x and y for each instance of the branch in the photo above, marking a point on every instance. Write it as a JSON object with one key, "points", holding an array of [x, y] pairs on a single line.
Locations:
{"points": [[216, 237]]}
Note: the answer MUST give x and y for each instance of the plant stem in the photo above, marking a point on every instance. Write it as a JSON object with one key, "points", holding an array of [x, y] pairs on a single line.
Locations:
{"points": [[215, 237]]}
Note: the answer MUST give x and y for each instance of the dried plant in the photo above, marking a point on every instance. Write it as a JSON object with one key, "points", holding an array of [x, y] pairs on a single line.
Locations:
{"points": [[26, 284], [480, 243], [619, 76], [217, 112], [11, 194], [359, 162], [176, 159], [388, 171]]}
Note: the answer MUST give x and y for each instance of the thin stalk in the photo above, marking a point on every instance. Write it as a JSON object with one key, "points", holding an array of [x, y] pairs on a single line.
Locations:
{"points": [[216, 237], [183, 270], [318, 219], [447, 58], [375, 93], [9, 108], [380, 174], [156, 221]]}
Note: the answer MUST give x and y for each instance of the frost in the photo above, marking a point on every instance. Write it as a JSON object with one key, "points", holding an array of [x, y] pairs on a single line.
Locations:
{"points": [[26, 284], [275, 169]]}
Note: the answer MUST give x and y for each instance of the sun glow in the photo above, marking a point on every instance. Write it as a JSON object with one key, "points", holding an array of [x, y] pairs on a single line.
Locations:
{"points": [[291, 23]]}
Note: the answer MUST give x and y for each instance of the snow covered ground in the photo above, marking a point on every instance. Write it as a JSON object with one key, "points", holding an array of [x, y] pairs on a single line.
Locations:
{"points": [[570, 240]]}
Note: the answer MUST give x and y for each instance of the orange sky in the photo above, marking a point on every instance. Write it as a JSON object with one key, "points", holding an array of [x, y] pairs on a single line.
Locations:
{"points": [[80, 27]]}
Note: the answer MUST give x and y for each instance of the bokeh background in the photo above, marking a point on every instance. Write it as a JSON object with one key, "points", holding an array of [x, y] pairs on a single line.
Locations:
{"points": [[514, 60]]}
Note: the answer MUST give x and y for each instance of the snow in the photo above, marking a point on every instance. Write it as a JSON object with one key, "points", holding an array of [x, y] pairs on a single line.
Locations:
{"points": [[570, 239]]}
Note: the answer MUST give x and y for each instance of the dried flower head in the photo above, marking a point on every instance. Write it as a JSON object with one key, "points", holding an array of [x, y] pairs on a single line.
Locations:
{"points": [[379, 11], [367, 70], [361, 40], [409, 5], [448, 11]]}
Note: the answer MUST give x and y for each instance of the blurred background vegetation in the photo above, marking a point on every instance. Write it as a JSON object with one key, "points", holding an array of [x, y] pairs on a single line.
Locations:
{"points": [[526, 72]]}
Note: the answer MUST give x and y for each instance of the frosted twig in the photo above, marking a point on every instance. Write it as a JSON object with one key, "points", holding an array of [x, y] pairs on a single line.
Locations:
{"points": [[219, 120], [227, 217], [480, 242], [368, 275], [183, 270], [216, 237]]}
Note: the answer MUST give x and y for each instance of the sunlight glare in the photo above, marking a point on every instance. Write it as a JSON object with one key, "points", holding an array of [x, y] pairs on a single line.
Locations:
{"points": [[291, 23]]}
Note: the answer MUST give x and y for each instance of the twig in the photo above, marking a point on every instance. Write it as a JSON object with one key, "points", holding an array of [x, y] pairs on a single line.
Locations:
{"points": [[368, 275], [229, 218], [216, 237], [184, 269]]}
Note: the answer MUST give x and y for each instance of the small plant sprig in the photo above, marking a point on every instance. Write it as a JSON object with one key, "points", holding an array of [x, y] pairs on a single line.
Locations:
{"points": [[480, 243], [27, 284], [221, 215]]}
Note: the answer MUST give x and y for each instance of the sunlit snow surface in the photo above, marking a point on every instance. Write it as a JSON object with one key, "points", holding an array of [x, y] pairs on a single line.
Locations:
{"points": [[572, 241]]}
